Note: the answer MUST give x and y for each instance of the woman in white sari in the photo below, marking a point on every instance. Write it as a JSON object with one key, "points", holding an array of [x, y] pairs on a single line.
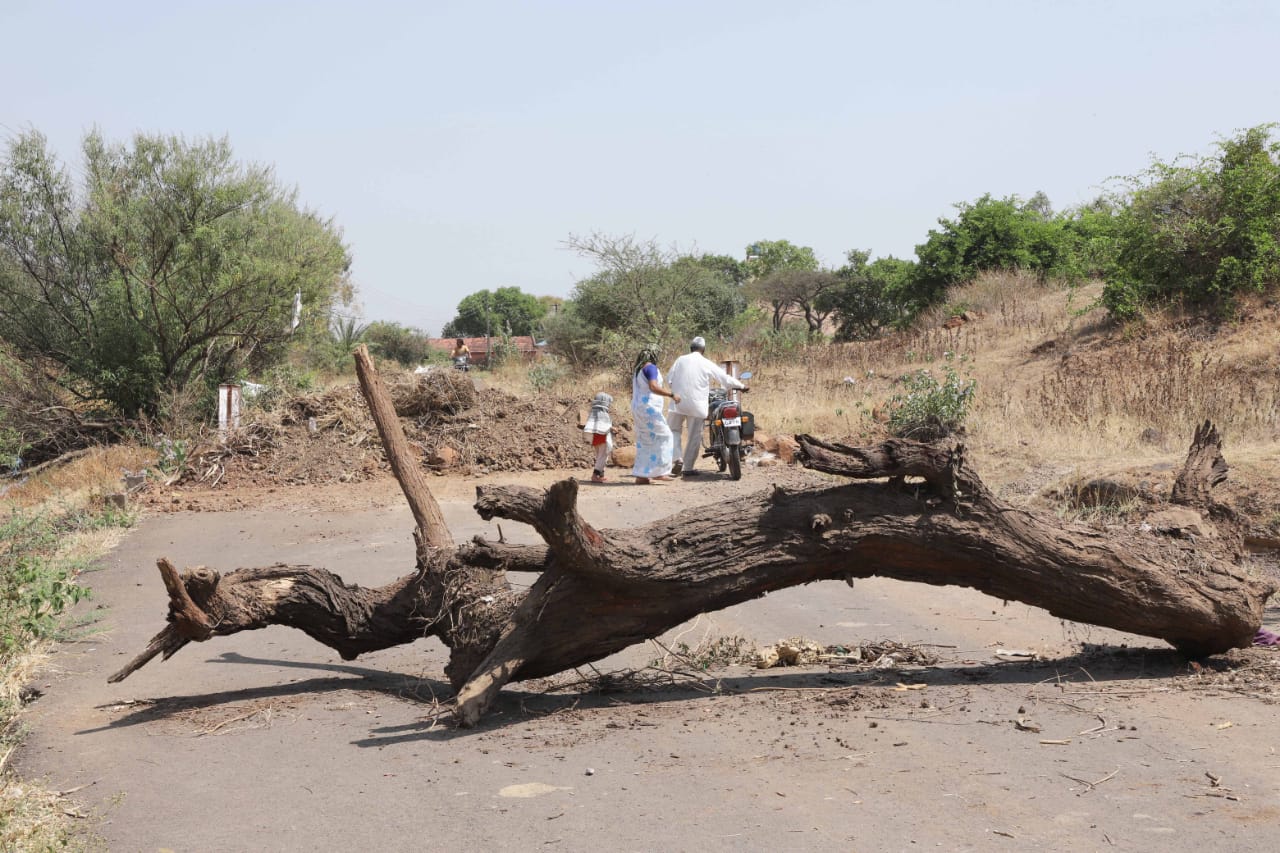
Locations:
{"points": [[653, 436]]}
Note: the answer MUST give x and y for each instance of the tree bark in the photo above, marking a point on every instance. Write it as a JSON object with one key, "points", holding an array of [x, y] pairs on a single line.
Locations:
{"points": [[1204, 469], [432, 531], [927, 517]]}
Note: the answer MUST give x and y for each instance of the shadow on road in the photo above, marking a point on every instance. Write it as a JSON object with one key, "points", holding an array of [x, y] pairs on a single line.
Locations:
{"points": [[1098, 664], [399, 685]]}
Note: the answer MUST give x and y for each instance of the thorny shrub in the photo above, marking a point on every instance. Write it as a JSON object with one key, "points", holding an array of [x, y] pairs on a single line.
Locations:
{"points": [[926, 409]]}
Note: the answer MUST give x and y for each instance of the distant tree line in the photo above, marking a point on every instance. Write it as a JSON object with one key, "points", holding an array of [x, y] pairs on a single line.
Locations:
{"points": [[1197, 231], [164, 266]]}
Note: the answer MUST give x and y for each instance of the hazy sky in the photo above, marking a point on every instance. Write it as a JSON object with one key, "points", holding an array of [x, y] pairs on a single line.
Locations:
{"points": [[459, 144]]}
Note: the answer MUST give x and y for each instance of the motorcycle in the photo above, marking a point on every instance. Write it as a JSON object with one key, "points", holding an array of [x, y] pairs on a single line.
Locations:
{"points": [[462, 363], [727, 425]]}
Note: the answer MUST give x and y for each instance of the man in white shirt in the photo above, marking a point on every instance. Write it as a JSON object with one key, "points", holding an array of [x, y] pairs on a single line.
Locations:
{"points": [[690, 377]]}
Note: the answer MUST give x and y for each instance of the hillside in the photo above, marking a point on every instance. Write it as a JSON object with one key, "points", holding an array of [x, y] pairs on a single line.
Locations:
{"points": [[1063, 395]]}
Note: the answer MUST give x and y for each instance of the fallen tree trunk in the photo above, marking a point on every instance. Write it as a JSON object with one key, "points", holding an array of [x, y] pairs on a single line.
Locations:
{"points": [[931, 521]]}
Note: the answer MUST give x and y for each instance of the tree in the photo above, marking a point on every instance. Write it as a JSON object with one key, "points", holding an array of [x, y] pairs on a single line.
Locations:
{"points": [[766, 260], [1039, 205], [601, 591], [808, 292], [345, 334], [989, 234], [1201, 230], [728, 267], [642, 291], [505, 311], [711, 294], [551, 306], [870, 296], [405, 345], [173, 264], [1091, 231]]}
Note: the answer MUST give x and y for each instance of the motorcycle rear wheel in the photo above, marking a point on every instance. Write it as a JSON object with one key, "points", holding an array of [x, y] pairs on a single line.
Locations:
{"points": [[735, 463]]}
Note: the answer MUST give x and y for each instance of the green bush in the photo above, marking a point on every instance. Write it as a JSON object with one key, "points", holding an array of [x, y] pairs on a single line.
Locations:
{"points": [[36, 587], [1199, 230], [406, 346], [926, 409], [872, 296], [11, 448], [546, 372], [991, 234], [783, 344]]}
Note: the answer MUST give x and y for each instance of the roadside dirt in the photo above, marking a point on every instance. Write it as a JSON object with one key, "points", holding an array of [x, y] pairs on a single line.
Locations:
{"points": [[266, 740], [453, 421]]}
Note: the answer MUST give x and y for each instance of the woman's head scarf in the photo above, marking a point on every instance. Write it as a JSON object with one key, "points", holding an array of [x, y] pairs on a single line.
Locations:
{"points": [[647, 355]]}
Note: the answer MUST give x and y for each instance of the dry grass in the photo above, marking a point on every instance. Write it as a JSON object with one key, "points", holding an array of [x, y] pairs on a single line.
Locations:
{"points": [[1059, 386], [77, 483], [32, 816], [35, 818], [834, 390]]}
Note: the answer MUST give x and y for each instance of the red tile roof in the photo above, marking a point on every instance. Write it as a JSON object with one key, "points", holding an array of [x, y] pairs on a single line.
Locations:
{"points": [[524, 343]]}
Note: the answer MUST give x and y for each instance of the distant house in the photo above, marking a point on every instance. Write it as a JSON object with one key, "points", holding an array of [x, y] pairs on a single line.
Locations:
{"points": [[480, 347]]}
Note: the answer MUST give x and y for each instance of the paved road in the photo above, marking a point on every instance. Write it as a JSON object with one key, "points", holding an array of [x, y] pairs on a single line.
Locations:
{"points": [[267, 741]]}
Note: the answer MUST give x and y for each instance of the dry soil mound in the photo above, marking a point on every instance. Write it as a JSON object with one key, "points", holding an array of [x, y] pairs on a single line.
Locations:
{"points": [[329, 436]]}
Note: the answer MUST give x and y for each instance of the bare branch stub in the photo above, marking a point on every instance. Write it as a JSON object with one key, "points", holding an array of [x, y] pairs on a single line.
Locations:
{"points": [[191, 621], [576, 546], [1204, 469], [426, 512]]}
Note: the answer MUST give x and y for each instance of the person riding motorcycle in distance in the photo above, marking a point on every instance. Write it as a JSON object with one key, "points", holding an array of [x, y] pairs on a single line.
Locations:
{"points": [[690, 376], [461, 355]]}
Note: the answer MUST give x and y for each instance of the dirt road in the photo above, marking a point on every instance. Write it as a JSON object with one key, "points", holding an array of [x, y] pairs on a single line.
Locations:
{"points": [[268, 741]]}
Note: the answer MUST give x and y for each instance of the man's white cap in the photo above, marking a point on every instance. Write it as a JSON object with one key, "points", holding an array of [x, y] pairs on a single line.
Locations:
{"points": [[698, 343]]}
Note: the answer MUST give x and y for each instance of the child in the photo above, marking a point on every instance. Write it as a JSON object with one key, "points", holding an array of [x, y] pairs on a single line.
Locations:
{"points": [[600, 427]]}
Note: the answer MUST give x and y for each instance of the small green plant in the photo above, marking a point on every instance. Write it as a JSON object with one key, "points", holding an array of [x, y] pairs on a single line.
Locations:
{"points": [[11, 449], [36, 587], [546, 372], [926, 409], [172, 454], [503, 349]]}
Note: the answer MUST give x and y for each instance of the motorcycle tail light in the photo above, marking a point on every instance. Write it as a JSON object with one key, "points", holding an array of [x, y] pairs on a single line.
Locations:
{"points": [[729, 412]]}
